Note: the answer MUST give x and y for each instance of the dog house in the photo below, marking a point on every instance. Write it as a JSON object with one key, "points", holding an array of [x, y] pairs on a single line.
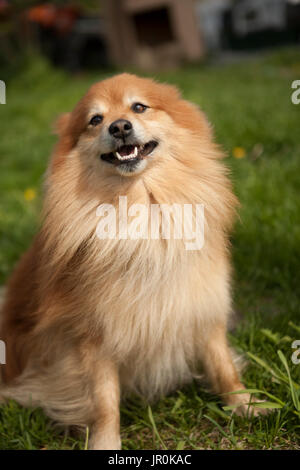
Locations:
{"points": [[152, 33]]}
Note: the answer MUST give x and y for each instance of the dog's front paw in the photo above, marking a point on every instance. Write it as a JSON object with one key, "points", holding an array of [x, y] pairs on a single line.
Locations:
{"points": [[245, 406], [250, 410]]}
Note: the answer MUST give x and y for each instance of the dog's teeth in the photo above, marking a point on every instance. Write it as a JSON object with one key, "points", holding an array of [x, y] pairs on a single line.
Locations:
{"points": [[135, 151], [127, 157]]}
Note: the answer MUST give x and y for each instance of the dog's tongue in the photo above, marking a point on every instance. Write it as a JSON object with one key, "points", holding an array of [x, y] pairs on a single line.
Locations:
{"points": [[126, 150]]}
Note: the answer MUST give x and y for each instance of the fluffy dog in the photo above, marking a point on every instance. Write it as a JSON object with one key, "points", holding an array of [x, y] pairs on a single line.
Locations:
{"points": [[87, 320]]}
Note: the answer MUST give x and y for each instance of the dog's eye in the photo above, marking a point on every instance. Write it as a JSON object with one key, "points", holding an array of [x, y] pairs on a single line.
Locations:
{"points": [[97, 119], [139, 108]]}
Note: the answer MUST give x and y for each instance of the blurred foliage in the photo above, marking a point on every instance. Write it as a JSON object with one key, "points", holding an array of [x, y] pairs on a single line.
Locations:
{"points": [[84, 4], [18, 40]]}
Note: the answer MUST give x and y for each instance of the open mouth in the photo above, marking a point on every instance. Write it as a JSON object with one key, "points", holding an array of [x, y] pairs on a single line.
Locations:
{"points": [[129, 154]]}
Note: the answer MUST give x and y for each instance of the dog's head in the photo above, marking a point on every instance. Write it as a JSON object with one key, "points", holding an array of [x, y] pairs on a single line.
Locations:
{"points": [[125, 124]]}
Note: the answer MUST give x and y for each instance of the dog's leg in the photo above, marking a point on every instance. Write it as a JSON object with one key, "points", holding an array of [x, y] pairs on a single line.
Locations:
{"points": [[105, 428], [75, 393], [221, 371]]}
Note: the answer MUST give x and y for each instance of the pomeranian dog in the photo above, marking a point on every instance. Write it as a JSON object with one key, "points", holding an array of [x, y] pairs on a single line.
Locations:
{"points": [[90, 319]]}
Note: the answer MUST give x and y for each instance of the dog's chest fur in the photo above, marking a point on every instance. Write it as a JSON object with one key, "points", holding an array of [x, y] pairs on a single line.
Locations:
{"points": [[153, 305]]}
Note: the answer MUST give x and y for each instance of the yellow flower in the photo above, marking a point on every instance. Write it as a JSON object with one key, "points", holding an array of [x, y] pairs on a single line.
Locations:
{"points": [[239, 152], [29, 194]]}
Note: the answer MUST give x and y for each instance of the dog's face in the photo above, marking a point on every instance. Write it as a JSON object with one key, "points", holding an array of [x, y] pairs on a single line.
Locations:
{"points": [[125, 124], [123, 130]]}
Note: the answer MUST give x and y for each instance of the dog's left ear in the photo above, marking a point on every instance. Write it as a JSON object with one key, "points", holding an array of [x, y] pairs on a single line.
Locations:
{"points": [[61, 124], [66, 137]]}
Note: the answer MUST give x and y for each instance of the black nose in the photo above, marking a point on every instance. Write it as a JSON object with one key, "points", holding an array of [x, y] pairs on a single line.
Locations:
{"points": [[120, 128]]}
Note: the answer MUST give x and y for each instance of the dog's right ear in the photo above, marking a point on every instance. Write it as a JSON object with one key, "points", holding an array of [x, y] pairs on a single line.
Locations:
{"points": [[61, 124]]}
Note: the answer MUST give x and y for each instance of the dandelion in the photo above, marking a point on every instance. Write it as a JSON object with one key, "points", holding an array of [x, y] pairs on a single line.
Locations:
{"points": [[29, 194], [239, 152]]}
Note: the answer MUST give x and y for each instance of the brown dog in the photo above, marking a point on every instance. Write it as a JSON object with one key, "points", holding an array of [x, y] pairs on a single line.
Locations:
{"points": [[86, 318]]}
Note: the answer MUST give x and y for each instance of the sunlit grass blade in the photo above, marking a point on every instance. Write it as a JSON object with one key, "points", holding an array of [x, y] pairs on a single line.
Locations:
{"points": [[151, 418], [256, 390], [86, 443], [294, 393], [256, 404], [277, 374], [180, 445], [295, 327]]}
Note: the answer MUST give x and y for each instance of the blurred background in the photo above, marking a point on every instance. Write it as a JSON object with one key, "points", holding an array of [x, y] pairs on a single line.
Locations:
{"points": [[78, 34], [237, 60]]}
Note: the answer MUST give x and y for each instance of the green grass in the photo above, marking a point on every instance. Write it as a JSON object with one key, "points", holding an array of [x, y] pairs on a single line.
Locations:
{"points": [[250, 107]]}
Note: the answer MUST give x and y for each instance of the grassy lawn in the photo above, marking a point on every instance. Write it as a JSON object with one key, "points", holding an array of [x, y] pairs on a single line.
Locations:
{"points": [[250, 106]]}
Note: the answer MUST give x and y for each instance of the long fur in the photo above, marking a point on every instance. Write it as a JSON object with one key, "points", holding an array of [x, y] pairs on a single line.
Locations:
{"points": [[147, 306]]}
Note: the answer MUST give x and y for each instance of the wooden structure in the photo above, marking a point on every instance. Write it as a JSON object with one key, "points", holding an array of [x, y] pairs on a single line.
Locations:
{"points": [[152, 33]]}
